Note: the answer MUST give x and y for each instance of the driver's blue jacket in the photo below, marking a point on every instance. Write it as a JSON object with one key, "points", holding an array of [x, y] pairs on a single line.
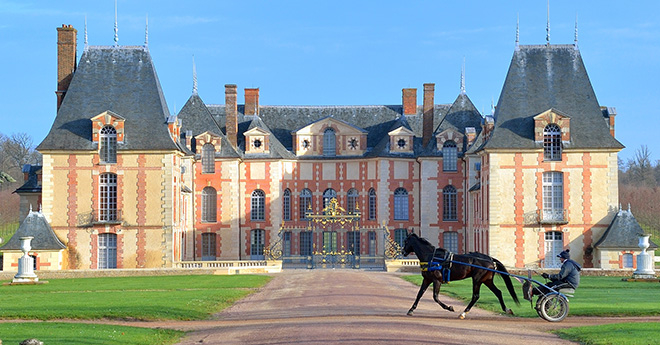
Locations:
{"points": [[569, 273]]}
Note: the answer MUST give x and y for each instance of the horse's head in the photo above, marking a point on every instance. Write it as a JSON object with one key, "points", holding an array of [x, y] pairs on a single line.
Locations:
{"points": [[408, 244]]}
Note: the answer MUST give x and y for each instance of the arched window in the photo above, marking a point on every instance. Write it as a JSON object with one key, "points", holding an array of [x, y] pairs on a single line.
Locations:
{"points": [[372, 204], [305, 202], [450, 241], [449, 203], [352, 200], [401, 204], [208, 159], [107, 197], [257, 244], [553, 196], [286, 204], [108, 145], [258, 211], [552, 143], [209, 202], [208, 246], [329, 143], [107, 251], [327, 195], [449, 156]]}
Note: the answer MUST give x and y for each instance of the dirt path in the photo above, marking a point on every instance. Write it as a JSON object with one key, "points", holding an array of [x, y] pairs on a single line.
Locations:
{"points": [[357, 307]]}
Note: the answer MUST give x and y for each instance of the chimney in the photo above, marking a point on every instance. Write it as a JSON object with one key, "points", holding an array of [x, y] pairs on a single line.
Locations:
{"points": [[251, 101], [488, 126], [231, 114], [427, 126], [66, 60], [471, 134], [611, 114], [409, 101], [188, 137]]}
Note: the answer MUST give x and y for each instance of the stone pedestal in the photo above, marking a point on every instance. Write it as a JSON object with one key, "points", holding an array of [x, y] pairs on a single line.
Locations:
{"points": [[26, 264], [645, 261]]}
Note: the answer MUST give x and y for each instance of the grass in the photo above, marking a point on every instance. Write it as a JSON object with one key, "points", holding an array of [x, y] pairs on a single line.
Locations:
{"points": [[596, 296], [191, 297], [59, 333], [620, 334]]}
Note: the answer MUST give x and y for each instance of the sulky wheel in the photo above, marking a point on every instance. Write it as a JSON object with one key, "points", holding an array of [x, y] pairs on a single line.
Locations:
{"points": [[553, 307]]}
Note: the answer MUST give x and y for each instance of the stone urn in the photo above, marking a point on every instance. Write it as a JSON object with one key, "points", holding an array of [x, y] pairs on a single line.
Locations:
{"points": [[25, 263], [26, 244], [644, 242], [645, 269]]}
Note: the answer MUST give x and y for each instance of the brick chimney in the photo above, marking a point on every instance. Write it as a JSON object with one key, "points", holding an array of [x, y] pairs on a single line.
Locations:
{"points": [[66, 60], [231, 114], [409, 101], [427, 125], [470, 134], [251, 101]]}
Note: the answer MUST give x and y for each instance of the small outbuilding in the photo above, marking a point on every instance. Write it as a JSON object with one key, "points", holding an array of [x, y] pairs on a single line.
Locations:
{"points": [[47, 249], [619, 246]]}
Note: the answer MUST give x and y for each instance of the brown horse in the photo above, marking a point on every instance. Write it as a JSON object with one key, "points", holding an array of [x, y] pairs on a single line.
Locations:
{"points": [[457, 267]]}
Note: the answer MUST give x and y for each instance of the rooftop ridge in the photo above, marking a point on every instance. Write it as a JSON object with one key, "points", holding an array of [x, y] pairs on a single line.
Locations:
{"points": [[537, 46]]}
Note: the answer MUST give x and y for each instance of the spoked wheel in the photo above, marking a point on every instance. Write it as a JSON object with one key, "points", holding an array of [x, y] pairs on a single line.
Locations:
{"points": [[552, 307]]}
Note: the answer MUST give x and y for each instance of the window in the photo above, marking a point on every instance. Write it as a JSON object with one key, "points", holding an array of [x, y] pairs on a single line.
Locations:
{"points": [[329, 143], [208, 246], [330, 241], [328, 195], [400, 236], [449, 156], [449, 203], [552, 143], [107, 197], [107, 251], [108, 145], [286, 205], [353, 242], [257, 241], [627, 260], [258, 211], [400, 204], [305, 243], [450, 241], [305, 202], [352, 202], [372, 243], [553, 246], [208, 159], [286, 244], [372, 204], [553, 196], [209, 202]]}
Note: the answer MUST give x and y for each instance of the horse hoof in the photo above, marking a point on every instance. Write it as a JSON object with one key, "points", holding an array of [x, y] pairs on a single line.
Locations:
{"points": [[509, 311], [451, 309], [410, 313], [462, 316]]}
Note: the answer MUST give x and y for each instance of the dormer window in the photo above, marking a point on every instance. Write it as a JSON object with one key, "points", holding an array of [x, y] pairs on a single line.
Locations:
{"points": [[401, 140], [401, 143], [353, 143], [256, 143], [552, 143], [329, 143], [306, 144], [108, 144], [449, 156], [208, 158]]}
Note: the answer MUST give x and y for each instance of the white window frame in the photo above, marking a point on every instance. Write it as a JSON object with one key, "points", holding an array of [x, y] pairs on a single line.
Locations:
{"points": [[401, 204], [108, 145], [107, 251]]}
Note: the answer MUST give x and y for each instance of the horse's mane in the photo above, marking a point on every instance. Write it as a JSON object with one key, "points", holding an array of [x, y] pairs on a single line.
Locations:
{"points": [[425, 242]]}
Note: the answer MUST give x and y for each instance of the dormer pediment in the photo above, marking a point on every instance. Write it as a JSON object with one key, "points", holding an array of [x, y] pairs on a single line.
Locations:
{"points": [[449, 134], [349, 140], [256, 131], [209, 137], [401, 140], [552, 116], [108, 118], [257, 140], [339, 126]]}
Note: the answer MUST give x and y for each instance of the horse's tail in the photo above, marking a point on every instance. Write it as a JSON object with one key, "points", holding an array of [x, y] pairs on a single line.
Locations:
{"points": [[507, 280]]}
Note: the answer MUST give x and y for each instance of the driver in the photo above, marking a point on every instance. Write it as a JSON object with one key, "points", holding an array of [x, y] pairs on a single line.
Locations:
{"points": [[568, 277]]}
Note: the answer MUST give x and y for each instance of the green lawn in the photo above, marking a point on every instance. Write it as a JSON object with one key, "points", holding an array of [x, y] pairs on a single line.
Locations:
{"points": [[59, 333], [619, 333], [192, 297], [596, 296]]}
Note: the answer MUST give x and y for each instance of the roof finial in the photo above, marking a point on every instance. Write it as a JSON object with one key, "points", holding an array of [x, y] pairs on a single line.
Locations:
{"points": [[547, 28], [517, 31], [146, 32], [30, 207], [116, 29], [85, 31], [576, 30], [463, 77], [194, 76]]}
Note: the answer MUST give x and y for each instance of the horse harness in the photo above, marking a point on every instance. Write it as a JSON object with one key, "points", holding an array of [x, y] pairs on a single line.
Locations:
{"points": [[442, 264]]}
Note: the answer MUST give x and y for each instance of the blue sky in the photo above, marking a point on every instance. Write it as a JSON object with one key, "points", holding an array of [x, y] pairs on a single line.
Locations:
{"points": [[338, 52]]}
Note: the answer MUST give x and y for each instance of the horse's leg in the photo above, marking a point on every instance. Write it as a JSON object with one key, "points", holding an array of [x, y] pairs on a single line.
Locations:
{"points": [[491, 285], [425, 284], [476, 287], [436, 292]]}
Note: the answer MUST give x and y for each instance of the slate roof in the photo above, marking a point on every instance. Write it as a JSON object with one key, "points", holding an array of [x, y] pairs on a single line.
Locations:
{"points": [[541, 77], [460, 115], [120, 79], [32, 184], [35, 225], [623, 233]]}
